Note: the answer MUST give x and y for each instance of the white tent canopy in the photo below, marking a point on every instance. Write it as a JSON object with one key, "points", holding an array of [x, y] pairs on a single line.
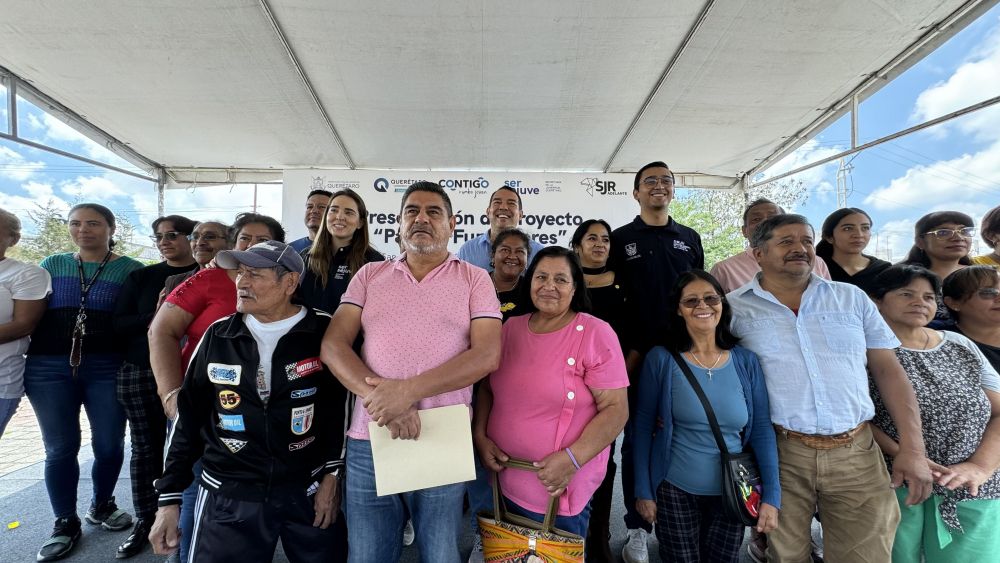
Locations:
{"points": [[237, 90]]}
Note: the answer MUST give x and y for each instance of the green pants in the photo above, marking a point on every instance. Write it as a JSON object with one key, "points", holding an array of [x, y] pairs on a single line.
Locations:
{"points": [[921, 530]]}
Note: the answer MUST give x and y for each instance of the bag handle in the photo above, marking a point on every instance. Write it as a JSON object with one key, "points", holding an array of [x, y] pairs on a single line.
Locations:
{"points": [[500, 508], [712, 421]]}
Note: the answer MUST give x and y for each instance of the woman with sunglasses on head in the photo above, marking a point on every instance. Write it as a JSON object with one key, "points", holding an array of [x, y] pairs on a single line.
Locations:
{"points": [[678, 467], [136, 385], [339, 250], [73, 361], [958, 393], [990, 231], [186, 314], [942, 241], [972, 296], [846, 233]]}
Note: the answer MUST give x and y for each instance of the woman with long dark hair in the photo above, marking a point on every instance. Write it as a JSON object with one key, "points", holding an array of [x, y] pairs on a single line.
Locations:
{"points": [[846, 233], [972, 296], [678, 467], [73, 361], [941, 243], [341, 247]]}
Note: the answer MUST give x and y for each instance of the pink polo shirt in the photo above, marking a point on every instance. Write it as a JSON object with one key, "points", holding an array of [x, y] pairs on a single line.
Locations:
{"points": [[736, 271], [542, 402], [411, 327]]}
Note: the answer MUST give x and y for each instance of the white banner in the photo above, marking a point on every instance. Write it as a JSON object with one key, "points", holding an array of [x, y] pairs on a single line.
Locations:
{"points": [[553, 204]]}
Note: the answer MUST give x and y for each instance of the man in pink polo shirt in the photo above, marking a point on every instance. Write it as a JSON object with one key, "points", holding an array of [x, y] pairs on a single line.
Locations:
{"points": [[431, 324], [736, 271]]}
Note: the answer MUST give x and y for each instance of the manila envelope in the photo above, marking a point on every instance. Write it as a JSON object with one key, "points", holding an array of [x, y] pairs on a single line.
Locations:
{"points": [[442, 455]]}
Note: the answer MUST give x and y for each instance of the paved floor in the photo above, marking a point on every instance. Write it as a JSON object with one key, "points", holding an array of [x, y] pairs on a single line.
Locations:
{"points": [[26, 518]]}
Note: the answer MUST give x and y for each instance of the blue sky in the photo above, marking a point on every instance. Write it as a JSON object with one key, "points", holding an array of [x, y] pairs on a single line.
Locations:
{"points": [[950, 166]]}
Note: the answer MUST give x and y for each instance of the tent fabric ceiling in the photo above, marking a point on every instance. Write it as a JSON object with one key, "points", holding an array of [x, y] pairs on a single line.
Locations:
{"points": [[452, 84]]}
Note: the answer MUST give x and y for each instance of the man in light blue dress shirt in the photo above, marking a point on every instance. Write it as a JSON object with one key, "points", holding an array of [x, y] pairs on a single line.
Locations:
{"points": [[818, 341], [504, 212]]}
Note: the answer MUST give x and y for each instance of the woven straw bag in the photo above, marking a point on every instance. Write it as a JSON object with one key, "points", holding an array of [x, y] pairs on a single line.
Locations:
{"points": [[509, 538]]}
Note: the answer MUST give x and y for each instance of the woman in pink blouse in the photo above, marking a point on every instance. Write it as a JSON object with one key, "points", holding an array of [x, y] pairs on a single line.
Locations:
{"points": [[558, 398]]}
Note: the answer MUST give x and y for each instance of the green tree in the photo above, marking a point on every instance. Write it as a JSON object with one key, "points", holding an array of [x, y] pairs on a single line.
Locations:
{"points": [[718, 215], [51, 235]]}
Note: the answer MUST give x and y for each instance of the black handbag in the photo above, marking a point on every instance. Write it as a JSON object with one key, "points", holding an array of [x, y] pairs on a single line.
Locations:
{"points": [[741, 482]]}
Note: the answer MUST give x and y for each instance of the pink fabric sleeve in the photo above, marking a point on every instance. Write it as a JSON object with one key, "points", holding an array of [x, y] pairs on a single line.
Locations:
{"points": [[483, 300], [604, 364], [820, 268], [357, 289]]}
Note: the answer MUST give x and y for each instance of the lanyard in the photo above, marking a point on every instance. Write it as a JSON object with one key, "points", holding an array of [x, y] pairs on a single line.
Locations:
{"points": [[80, 328]]}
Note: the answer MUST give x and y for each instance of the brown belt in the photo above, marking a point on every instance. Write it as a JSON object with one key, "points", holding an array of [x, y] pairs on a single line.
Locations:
{"points": [[822, 441]]}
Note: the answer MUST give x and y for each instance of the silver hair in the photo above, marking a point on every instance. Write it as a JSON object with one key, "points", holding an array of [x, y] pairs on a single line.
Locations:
{"points": [[10, 221]]}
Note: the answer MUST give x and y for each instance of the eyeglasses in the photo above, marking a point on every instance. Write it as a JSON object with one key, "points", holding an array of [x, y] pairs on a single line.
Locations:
{"points": [[988, 293], [169, 235], [652, 181], [207, 237], [710, 300], [943, 234]]}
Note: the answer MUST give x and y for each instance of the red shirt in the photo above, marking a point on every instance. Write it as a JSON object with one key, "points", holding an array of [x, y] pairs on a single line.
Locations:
{"points": [[209, 295]]}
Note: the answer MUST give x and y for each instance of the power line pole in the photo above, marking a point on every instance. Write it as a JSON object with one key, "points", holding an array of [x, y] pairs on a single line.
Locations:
{"points": [[843, 187]]}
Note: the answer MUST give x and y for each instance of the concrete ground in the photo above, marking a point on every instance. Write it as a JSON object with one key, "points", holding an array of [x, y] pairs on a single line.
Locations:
{"points": [[26, 517]]}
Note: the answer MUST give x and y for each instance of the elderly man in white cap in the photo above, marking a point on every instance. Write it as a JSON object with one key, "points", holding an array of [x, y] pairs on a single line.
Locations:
{"points": [[267, 419]]}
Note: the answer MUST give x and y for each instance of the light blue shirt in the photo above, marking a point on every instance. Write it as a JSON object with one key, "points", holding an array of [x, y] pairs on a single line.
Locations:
{"points": [[476, 251], [815, 363]]}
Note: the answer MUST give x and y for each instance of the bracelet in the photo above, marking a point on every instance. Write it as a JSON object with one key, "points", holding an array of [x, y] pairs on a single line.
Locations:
{"points": [[572, 458], [171, 394]]}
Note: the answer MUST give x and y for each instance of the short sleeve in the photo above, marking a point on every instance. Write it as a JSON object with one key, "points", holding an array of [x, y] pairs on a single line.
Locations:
{"points": [[604, 364], [31, 283], [357, 288], [988, 376], [193, 294], [483, 300], [878, 335]]}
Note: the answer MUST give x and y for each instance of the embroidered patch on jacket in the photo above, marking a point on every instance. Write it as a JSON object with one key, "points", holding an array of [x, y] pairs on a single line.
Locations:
{"points": [[681, 245], [303, 393], [631, 250], [224, 374], [306, 367], [232, 422], [302, 444], [233, 444], [302, 419], [229, 399]]}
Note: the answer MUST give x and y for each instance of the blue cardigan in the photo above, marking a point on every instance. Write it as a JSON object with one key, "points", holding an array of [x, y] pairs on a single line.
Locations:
{"points": [[651, 446]]}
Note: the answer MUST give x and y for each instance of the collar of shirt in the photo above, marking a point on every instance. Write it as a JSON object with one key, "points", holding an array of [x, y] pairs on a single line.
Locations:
{"points": [[815, 282], [670, 226]]}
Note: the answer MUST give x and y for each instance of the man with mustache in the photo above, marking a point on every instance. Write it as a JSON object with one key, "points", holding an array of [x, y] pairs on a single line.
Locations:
{"points": [[432, 328], [504, 212], [316, 203], [647, 255], [267, 420], [818, 342]]}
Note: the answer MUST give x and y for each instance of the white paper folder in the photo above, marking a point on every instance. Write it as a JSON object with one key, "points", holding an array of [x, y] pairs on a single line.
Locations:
{"points": [[442, 455]]}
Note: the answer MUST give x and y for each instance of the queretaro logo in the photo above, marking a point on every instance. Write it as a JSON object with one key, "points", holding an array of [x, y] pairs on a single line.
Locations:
{"points": [[381, 185]]}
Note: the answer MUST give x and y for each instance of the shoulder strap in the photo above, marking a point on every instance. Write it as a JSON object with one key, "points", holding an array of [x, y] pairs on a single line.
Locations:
{"points": [[719, 441]]}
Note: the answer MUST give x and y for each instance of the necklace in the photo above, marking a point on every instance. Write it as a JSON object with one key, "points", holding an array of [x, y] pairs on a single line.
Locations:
{"points": [[703, 366], [595, 271], [927, 338], [511, 288]]}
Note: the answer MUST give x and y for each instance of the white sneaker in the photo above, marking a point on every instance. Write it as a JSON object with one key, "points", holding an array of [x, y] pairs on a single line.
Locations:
{"points": [[635, 550], [477, 550], [408, 534]]}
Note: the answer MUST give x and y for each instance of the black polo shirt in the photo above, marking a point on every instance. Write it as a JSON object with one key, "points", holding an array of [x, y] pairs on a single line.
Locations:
{"points": [[647, 261], [314, 295]]}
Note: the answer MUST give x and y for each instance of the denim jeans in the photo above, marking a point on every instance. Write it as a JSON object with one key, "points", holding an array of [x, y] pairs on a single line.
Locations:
{"points": [[480, 492], [576, 524], [56, 395], [7, 409], [375, 524]]}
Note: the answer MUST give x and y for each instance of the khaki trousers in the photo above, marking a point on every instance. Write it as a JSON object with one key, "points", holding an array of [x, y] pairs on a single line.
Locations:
{"points": [[850, 486]]}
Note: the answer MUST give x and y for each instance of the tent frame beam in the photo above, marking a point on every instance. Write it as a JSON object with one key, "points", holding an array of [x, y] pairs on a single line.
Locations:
{"points": [[881, 140]]}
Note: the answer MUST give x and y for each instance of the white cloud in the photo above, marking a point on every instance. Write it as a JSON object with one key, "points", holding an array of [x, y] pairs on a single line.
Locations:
{"points": [[94, 188], [209, 203], [14, 166], [816, 179], [38, 190], [57, 131], [966, 179], [972, 82], [893, 240]]}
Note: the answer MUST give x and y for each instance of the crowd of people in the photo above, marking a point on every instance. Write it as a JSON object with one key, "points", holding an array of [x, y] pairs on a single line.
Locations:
{"points": [[248, 371]]}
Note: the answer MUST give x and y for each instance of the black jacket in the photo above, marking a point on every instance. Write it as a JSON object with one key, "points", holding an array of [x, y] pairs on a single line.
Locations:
{"points": [[248, 449]]}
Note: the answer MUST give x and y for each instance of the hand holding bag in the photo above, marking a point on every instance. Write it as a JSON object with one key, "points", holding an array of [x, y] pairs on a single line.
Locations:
{"points": [[741, 482], [509, 538]]}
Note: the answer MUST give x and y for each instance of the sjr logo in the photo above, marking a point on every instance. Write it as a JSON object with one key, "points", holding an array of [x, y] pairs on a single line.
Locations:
{"points": [[603, 187]]}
